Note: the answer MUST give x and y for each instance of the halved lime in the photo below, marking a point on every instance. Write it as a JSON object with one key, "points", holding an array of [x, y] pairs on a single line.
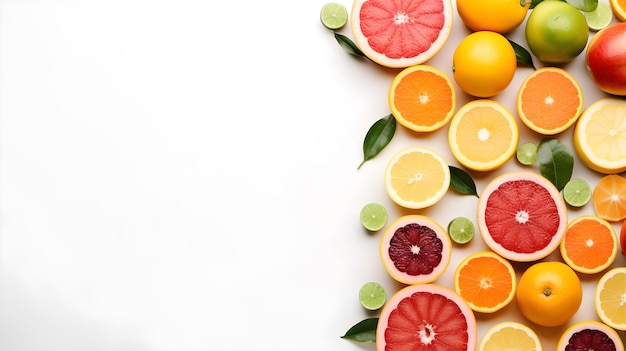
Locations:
{"points": [[372, 296], [599, 18], [373, 216], [577, 192], [461, 230], [334, 15], [527, 153]]}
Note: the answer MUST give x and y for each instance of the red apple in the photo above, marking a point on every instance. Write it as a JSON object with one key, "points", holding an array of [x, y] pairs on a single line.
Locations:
{"points": [[606, 59], [622, 235]]}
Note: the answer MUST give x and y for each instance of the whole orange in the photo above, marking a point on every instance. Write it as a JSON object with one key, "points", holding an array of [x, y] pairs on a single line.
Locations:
{"points": [[500, 16], [549, 293], [606, 59]]}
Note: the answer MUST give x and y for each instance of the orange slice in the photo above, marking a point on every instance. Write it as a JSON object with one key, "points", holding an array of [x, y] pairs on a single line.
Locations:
{"points": [[483, 135], [619, 9], [417, 177], [485, 281], [609, 198], [600, 136], [422, 98], [549, 100], [589, 244]]}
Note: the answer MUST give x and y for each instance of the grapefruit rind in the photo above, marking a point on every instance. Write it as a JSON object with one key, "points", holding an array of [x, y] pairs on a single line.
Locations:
{"points": [[558, 202], [403, 277], [610, 301], [448, 295], [589, 325], [400, 13]]}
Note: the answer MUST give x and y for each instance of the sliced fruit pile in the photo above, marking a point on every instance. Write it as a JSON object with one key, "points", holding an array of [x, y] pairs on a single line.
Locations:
{"points": [[523, 217]]}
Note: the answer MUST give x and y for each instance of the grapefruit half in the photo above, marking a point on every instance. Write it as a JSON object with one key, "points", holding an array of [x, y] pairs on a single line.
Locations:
{"points": [[590, 335], [522, 216], [401, 33], [426, 317], [415, 249]]}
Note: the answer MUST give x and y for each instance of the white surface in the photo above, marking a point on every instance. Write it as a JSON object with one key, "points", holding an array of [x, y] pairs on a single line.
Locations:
{"points": [[180, 175]]}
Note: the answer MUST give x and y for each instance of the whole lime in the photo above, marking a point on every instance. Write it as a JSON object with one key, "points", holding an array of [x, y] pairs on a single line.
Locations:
{"points": [[556, 32]]}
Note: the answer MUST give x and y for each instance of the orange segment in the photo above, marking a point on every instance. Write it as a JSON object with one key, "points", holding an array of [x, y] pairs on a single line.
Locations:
{"points": [[610, 298], [609, 198], [417, 177], [619, 9], [483, 135], [486, 281], [549, 100], [422, 98], [589, 245]]}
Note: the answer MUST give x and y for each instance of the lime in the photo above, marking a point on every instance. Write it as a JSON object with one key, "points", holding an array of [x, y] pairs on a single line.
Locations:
{"points": [[373, 216], [372, 296], [461, 230], [577, 192], [600, 17], [334, 15], [527, 153]]}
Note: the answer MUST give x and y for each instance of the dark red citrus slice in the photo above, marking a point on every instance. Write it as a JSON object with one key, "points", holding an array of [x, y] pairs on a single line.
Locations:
{"points": [[426, 317], [401, 33], [590, 335], [415, 249], [522, 216]]}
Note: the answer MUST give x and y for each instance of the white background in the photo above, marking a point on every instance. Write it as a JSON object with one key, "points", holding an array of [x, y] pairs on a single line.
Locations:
{"points": [[181, 175]]}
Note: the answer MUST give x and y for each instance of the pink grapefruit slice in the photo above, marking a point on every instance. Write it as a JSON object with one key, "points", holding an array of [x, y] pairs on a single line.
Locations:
{"points": [[415, 249], [426, 317], [522, 216], [401, 33]]}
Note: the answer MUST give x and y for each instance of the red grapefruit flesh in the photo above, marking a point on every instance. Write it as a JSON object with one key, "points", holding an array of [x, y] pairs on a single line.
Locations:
{"points": [[415, 249], [426, 317], [522, 216], [401, 33], [590, 335], [622, 237]]}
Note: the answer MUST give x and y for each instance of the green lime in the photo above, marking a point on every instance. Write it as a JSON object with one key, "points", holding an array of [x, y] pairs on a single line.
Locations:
{"points": [[461, 230], [527, 153], [599, 18], [372, 296], [334, 15], [577, 192], [373, 216]]}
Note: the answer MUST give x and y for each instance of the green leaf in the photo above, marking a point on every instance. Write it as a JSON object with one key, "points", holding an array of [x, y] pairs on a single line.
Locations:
{"points": [[462, 182], [522, 55], [378, 137], [534, 3], [364, 331], [584, 5], [556, 162], [348, 45]]}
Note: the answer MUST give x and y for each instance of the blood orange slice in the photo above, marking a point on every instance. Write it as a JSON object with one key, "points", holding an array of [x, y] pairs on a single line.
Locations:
{"points": [[589, 335], [522, 216], [426, 317], [401, 33], [415, 249]]}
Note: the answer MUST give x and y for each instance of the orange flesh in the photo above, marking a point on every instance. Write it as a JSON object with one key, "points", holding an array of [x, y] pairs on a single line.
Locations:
{"points": [[609, 198], [550, 100], [589, 243], [483, 120], [423, 98], [485, 282]]}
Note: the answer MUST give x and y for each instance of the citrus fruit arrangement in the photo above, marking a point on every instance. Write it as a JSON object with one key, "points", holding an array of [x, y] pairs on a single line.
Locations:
{"points": [[542, 174]]}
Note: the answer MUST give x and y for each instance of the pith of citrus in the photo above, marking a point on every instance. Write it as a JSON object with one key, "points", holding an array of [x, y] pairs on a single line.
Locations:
{"points": [[589, 335], [600, 136], [401, 33], [415, 249], [486, 281], [483, 135], [521, 216], [426, 317], [589, 245], [417, 177], [610, 298], [422, 98], [549, 100]]}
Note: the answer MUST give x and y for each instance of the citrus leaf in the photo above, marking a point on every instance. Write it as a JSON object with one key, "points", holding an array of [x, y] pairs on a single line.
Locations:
{"points": [[364, 331], [534, 3], [348, 45], [462, 182], [584, 5], [556, 162], [522, 55], [378, 137]]}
